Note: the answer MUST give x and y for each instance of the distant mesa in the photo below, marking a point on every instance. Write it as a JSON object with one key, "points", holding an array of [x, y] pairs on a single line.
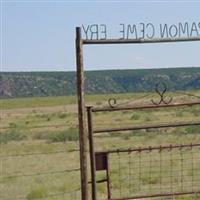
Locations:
{"points": [[29, 84]]}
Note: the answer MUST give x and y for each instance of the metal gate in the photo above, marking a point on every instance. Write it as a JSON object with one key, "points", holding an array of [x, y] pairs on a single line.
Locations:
{"points": [[101, 161], [148, 171]]}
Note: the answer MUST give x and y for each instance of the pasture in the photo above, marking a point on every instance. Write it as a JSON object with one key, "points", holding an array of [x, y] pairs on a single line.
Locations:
{"points": [[39, 144]]}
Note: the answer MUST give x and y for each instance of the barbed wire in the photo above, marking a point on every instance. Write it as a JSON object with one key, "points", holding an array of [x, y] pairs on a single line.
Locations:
{"points": [[32, 127], [37, 153], [42, 173], [35, 112]]}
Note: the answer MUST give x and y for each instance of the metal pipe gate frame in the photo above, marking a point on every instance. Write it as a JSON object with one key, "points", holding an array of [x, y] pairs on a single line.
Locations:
{"points": [[100, 160], [80, 42]]}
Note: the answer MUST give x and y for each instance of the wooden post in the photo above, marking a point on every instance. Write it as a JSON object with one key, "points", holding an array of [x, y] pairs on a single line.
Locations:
{"points": [[81, 115]]}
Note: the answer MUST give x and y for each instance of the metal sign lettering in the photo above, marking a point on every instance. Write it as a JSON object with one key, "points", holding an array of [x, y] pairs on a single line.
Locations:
{"points": [[141, 31]]}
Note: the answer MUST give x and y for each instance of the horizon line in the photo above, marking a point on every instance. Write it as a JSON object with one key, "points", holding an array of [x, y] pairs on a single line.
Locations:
{"points": [[153, 68]]}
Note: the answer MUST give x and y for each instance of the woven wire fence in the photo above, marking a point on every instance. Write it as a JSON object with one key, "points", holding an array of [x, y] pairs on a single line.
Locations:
{"points": [[155, 172], [23, 176]]}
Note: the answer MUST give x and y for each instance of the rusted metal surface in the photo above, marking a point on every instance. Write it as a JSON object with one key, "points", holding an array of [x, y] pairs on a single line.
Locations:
{"points": [[92, 152], [150, 148], [81, 115], [161, 89], [140, 41], [185, 155], [101, 160], [102, 163], [108, 178], [164, 101], [113, 106], [170, 125], [112, 102], [158, 195], [123, 108]]}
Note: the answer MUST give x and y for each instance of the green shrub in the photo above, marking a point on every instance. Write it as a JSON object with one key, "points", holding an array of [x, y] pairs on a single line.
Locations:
{"points": [[193, 129], [48, 119], [115, 134], [179, 113], [148, 119], [139, 133], [135, 117], [12, 125], [42, 135], [147, 180], [195, 113], [37, 193], [63, 136], [126, 136], [62, 115], [42, 115], [12, 135]]}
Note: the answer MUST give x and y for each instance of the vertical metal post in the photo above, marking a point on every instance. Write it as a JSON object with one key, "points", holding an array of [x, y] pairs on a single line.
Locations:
{"points": [[108, 177], [92, 153], [81, 115]]}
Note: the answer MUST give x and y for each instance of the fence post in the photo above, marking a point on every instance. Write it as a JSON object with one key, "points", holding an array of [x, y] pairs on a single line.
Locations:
{"points": [[81, 115], [92, 152]]}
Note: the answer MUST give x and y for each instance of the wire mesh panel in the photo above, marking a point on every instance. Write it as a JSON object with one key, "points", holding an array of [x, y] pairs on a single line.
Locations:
{"points": [[34, 176], [161, 172], [155, 171]]}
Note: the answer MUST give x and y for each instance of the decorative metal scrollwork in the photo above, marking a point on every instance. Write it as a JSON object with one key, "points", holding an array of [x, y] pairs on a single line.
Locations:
{"points": [[112, 102], [161, 89]]}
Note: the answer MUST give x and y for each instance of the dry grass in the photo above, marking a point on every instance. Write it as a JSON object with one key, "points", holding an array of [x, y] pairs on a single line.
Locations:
{"points": [[22, 176]]}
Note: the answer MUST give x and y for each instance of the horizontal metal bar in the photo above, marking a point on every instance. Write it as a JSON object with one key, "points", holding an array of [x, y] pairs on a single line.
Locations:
{"points": [[99, 181], [146, 127], [157, 195], [140, 149], [144, 107], [139, 41]]}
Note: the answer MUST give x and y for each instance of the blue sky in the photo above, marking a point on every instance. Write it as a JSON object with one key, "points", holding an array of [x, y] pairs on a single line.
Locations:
{"points": [[40, 35]]}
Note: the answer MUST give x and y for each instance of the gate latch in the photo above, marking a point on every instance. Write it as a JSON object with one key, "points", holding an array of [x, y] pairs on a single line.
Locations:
{"points": [[101, 160]]}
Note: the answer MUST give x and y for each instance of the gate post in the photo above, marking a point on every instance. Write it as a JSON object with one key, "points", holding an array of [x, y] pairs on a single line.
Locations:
{"points": [[81, 115]]}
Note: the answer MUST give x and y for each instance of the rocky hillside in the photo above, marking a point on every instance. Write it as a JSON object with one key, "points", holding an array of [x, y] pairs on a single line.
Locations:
{"points": [[26, 84]]}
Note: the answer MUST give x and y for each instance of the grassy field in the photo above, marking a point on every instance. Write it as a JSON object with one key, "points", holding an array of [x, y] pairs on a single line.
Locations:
{"points": [[39, 145]]}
